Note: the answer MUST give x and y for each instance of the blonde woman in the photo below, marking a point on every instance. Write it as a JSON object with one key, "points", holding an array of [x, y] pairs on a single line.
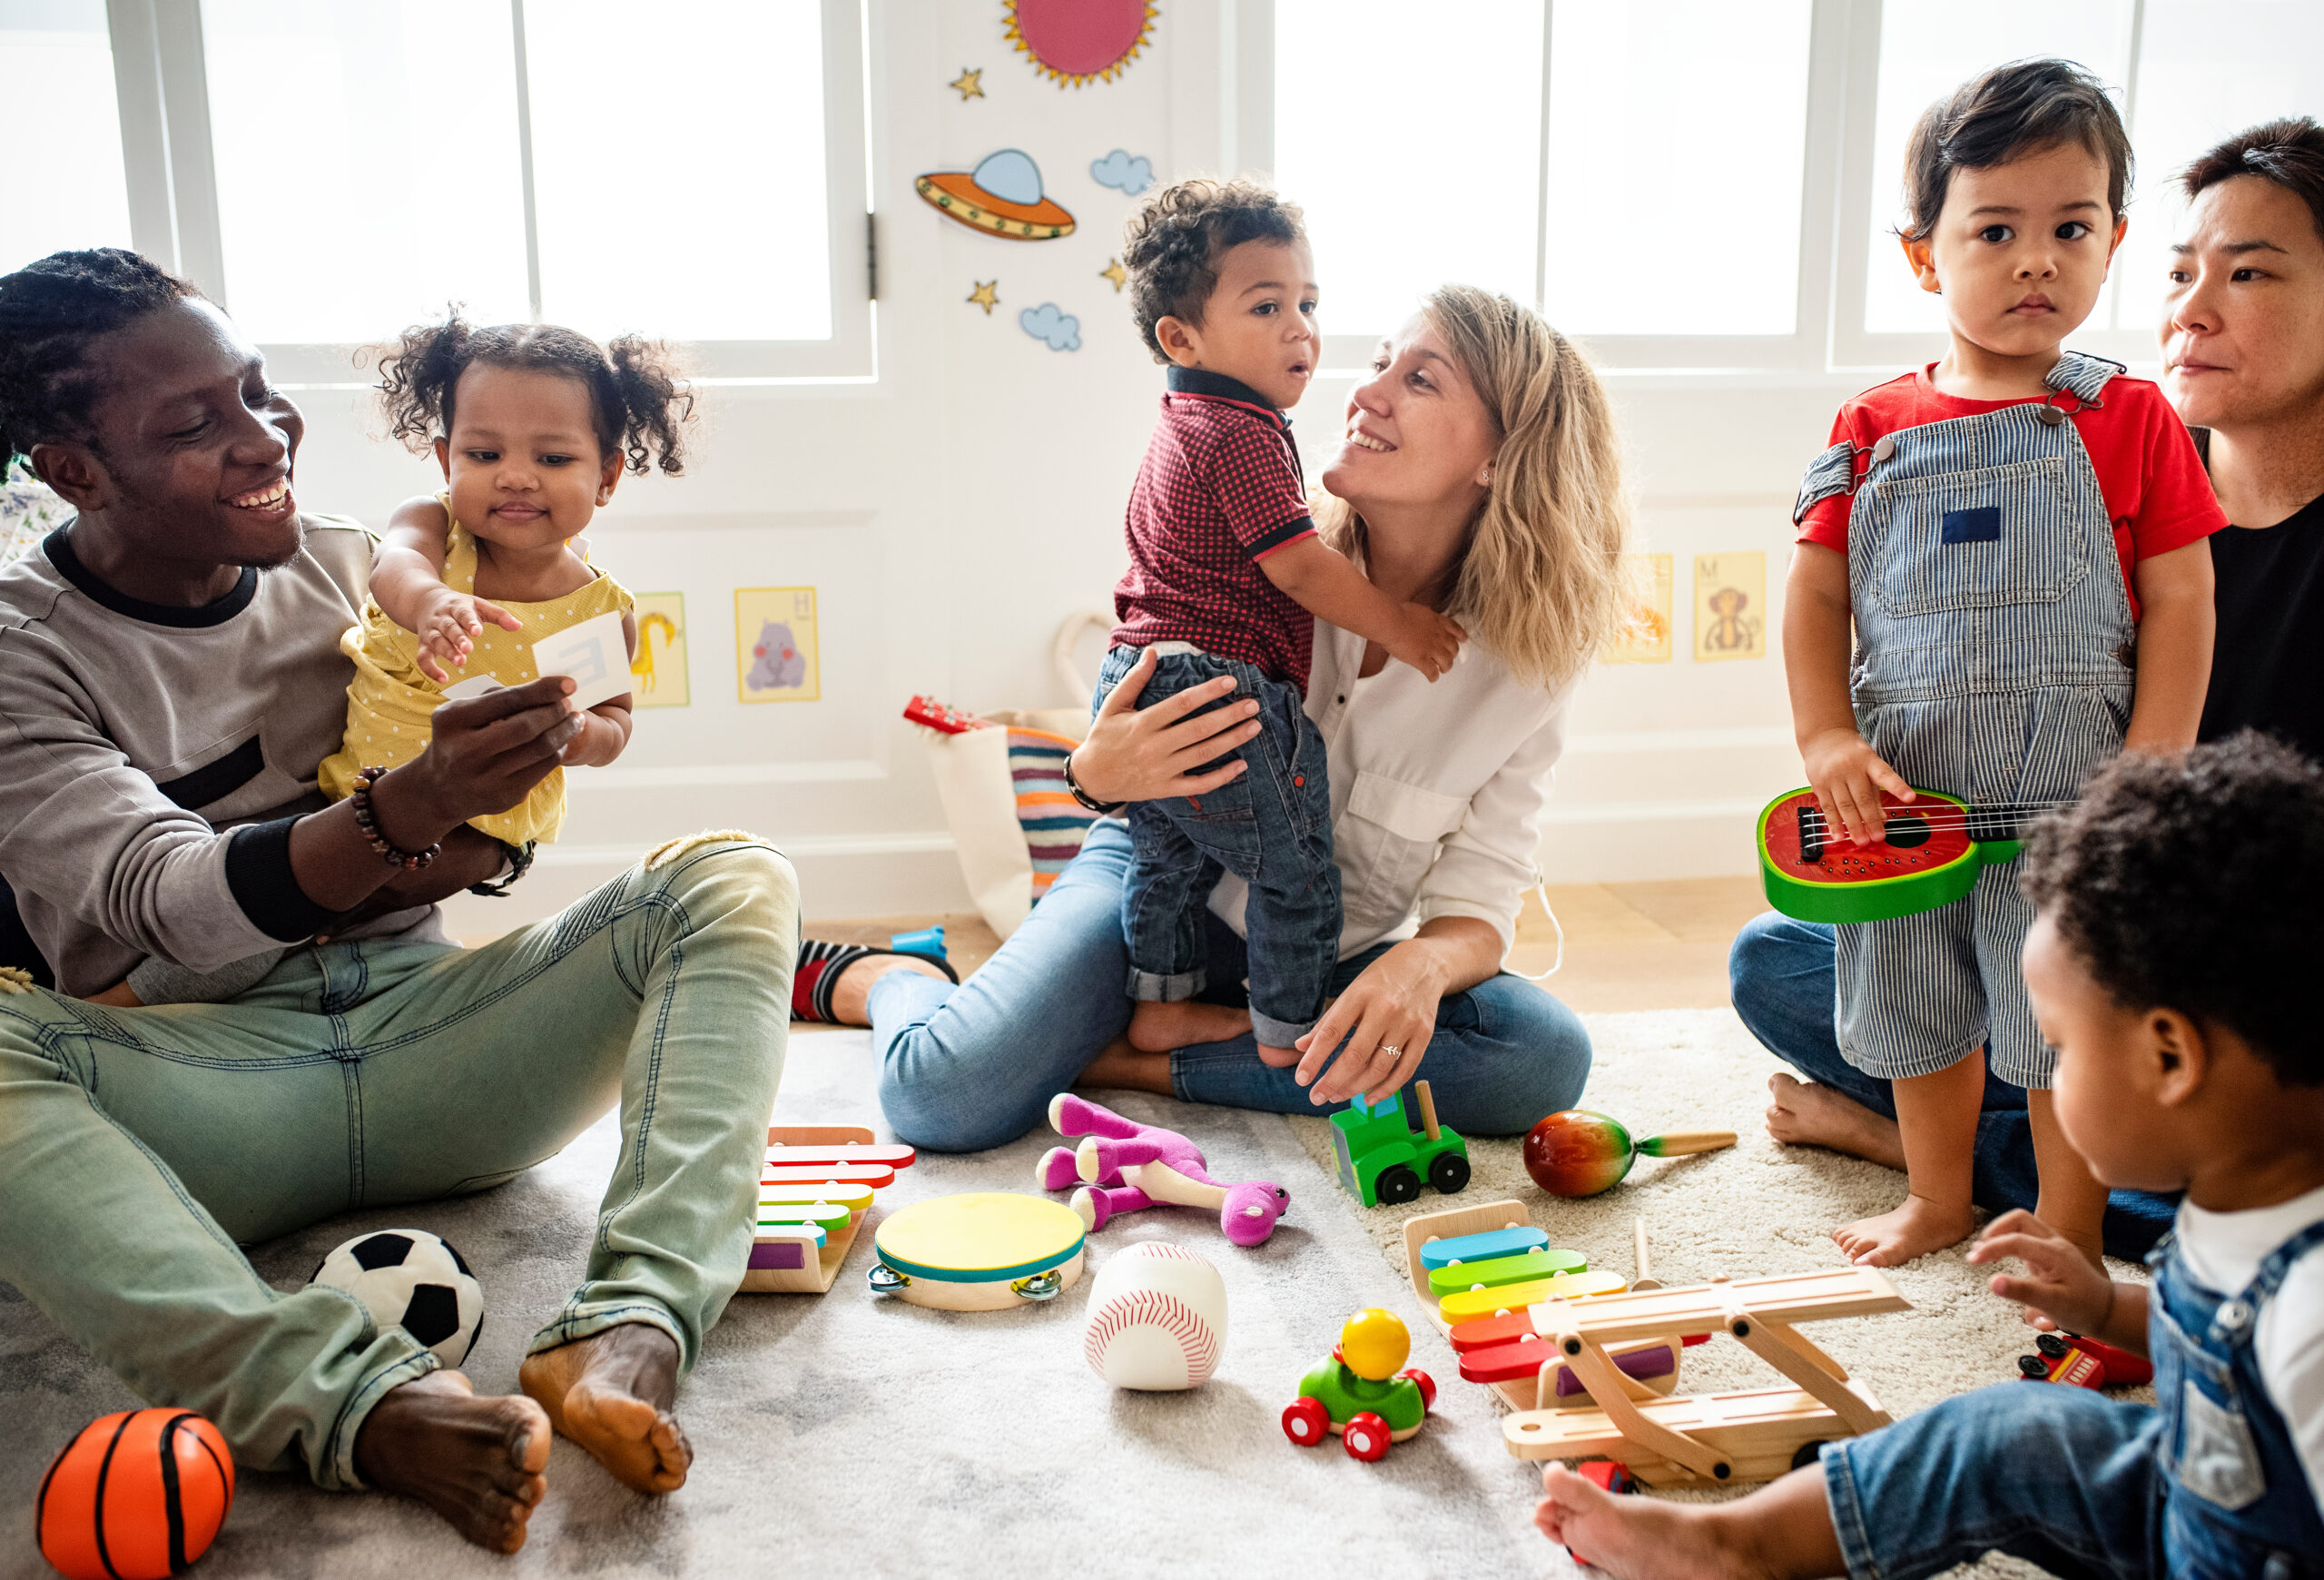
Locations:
{"points": [[1478, 473]]}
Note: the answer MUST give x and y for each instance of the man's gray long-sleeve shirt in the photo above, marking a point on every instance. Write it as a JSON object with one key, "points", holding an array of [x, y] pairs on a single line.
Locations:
{"points": [[151, 758]]}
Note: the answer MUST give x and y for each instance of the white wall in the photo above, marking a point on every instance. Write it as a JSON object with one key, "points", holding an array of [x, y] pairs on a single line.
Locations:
{"points": [[952, 513]]}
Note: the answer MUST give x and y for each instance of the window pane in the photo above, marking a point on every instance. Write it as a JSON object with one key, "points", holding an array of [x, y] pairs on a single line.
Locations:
{"points": [[367, 163], [56, 60], [1414, 143], [1926, 52], [1635, 196], [691, 151], [2206, 69]]}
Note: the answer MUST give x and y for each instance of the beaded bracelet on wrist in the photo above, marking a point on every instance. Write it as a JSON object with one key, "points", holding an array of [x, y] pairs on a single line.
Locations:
{"points": [[368, 821], [1083, 796]]}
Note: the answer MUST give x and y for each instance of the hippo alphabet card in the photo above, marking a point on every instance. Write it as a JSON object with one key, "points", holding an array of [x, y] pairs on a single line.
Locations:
{"points": [[775, 645]]}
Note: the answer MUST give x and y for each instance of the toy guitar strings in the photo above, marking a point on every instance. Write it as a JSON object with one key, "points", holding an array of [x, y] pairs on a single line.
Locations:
{"points": [[1928, 855]]}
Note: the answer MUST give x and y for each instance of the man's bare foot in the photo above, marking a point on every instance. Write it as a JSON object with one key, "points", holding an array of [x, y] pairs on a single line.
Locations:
{"points": [[1629, 1535], [1278, 1058], [477, 1461], [611, 1393], [1159, 1027], [1805, 1115], [851, 992], [1914, 1227]]}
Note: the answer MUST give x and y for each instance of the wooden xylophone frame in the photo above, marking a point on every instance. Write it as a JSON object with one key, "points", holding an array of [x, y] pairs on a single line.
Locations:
{"points": [[822, 1267], [1685, 1439]]}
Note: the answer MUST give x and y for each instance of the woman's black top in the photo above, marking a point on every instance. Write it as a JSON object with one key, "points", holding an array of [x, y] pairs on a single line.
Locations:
{"points": [[2268, 666]]}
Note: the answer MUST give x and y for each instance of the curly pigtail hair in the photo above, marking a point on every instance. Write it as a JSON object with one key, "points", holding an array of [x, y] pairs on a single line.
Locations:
{"points": [[655, 404], [639, 404]]}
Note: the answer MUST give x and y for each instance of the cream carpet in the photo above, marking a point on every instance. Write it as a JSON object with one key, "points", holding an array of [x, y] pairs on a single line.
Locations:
{"points": [[842, 1434]]}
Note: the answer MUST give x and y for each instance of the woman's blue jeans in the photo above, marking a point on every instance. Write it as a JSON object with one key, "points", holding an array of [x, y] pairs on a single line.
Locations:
{"points": [[1781, 975], [965, 1067]]}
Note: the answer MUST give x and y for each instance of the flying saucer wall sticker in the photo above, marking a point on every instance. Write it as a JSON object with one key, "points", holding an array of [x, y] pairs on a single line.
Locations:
{"points": [[1001, 196], [1079, 40]]}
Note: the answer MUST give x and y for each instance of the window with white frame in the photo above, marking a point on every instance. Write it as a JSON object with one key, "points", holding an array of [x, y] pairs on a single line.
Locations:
{"points": [[333, 170], [1702, 184]]}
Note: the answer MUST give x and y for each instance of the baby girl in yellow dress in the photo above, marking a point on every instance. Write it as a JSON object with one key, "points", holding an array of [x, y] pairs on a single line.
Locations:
{"points": [[533, 426]]}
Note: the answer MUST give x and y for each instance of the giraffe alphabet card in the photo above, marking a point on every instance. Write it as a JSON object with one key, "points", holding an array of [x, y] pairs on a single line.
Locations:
{"points": [[658, 671], [775, 645]]}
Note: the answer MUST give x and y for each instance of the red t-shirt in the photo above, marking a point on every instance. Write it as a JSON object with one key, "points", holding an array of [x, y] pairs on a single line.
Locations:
{"points": [[2157, 493], [1219, 490]]}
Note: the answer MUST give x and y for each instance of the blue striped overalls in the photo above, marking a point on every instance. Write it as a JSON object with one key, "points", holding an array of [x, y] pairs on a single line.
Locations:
{"points": [[2236, 1497], [1993, 662]]}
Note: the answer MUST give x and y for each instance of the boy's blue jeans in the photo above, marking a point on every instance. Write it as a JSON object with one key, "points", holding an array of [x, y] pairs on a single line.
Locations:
{"points": [[1271, 827], [2058, 1475]]}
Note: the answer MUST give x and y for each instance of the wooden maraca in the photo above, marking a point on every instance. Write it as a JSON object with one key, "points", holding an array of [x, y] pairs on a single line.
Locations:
{"points": [[1581, 1153]]}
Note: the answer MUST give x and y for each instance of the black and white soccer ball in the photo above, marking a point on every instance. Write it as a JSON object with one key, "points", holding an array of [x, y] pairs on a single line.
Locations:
{"points": [[414, 1280]]}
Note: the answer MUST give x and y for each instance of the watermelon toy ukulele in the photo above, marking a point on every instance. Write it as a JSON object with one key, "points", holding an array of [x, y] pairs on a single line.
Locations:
{"points": [[1929, 857]]}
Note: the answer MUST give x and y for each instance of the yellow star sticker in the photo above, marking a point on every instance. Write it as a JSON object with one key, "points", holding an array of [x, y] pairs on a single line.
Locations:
{"points": [[984, 295], [969, 83], [1114, 272]]}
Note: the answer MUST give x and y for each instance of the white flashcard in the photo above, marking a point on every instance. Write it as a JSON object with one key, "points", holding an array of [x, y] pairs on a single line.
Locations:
{"points": [[594, 654], [474, 685]]}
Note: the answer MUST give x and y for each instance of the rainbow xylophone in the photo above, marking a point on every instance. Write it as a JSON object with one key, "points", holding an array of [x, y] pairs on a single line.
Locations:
{"points": [[814, 1191]]}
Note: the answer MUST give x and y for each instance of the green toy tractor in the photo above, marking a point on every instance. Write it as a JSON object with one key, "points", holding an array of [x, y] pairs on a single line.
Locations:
{"points": [[1383, 1160]]}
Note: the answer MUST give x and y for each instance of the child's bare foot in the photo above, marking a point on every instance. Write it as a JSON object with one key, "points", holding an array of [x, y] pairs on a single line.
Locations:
{"points": [[1159, 1027], [611, 1393], [475, 1461], [2091, 1242], [1629, 1535], [1914, 1227], [1805, 1115]]}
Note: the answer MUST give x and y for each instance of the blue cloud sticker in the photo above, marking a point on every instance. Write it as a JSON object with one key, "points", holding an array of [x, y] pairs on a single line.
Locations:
{"points": [[1060, 330], [1129, 173]]}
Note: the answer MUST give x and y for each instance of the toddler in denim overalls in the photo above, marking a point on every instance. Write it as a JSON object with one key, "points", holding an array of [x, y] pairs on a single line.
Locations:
{"points": [[1987, 529], [2179, 912]]}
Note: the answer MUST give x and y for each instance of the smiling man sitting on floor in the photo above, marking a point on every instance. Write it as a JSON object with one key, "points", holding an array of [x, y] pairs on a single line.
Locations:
{"points": [[170, 679]]}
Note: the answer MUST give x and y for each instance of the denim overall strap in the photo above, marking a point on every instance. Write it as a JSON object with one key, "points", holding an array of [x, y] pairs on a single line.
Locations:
{"points": [[1833, 472], [2237, 1499], [1992, 635]]}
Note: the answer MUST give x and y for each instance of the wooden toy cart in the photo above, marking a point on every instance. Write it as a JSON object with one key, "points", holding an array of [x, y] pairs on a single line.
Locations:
{"points": [[814, 1172], [1746, 1434]]}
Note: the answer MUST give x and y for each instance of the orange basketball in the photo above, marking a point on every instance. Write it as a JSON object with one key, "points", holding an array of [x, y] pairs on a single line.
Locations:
{"points": [[135, 1497]]}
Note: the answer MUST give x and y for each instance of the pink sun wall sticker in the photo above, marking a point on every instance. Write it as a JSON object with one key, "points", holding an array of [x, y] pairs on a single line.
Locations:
{"points": [[1079, 40]]}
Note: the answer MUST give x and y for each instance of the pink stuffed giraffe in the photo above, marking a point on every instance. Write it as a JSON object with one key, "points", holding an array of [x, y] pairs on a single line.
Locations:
{"points": [[1123, 1166]]}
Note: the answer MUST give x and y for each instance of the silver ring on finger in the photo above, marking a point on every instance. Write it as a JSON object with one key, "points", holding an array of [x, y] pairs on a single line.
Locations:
{"points": [[1392, 1051]]}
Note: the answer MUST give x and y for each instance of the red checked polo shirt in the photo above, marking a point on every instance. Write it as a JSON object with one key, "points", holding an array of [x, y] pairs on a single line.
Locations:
{"points": [[1219, 490]]}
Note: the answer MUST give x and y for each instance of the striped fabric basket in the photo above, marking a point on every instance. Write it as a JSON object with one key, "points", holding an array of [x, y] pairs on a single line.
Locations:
{"points": [[1053, 822], [1015, 825]]}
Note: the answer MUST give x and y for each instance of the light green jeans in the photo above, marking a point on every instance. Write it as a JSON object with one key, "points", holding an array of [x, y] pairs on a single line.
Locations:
{"points": [[138, 1147]]}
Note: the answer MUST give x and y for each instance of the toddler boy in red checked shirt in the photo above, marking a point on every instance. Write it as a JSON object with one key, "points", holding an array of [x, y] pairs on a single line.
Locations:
{"points": [[1227, 577]]}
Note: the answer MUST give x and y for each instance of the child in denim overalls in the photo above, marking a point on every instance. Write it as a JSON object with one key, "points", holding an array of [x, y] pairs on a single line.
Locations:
{"points": [[2016, 535], [2181, 915]]}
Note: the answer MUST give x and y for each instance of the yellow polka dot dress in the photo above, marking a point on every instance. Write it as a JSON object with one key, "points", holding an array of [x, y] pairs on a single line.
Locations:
{"points": [[391, 701]]}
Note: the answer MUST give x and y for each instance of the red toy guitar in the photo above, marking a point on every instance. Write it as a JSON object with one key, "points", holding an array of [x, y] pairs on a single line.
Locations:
{"points": [[1928, 856], [951, 721]]}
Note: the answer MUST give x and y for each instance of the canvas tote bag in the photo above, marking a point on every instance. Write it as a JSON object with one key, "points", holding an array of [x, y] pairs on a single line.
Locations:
{"points": [[1015, 825]]}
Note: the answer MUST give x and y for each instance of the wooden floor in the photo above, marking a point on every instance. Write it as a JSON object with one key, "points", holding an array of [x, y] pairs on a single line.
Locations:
{"points": [[1628, 946]]}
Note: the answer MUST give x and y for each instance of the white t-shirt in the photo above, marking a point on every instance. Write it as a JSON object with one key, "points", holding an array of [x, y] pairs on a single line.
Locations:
{"points": [[2223, 1251], [1437, 789]]}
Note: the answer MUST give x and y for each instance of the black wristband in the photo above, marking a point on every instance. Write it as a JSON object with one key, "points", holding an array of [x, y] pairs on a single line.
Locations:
{"points": [[1101, 808]]}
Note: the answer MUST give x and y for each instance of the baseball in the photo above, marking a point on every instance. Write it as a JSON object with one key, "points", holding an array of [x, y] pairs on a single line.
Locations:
{"points": [[1158, 1319]]}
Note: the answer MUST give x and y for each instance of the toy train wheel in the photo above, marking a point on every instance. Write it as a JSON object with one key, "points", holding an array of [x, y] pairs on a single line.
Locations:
{"points": [[1425, 1383], [1305, 1421], [1807, 1453], [1396, 1186], [1366, 1437], [1449, 1172]]}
